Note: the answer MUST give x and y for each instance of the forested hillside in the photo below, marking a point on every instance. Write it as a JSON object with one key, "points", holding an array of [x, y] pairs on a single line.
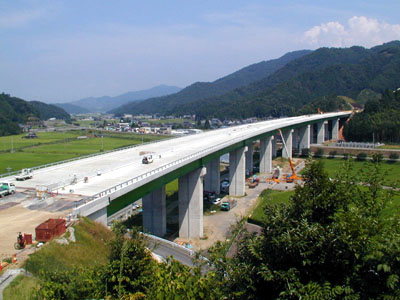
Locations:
{"points": [[202, 90], [380, 120], [355, 72], [72, 109], [375, 69], [15, 111]]}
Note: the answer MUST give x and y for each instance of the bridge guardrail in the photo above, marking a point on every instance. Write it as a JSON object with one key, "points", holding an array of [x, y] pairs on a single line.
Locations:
{"points": [[84, 157], [163, 167]]}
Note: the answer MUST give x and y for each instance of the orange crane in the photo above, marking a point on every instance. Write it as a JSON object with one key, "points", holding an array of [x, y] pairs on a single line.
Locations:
{"points": [[293, 177]]}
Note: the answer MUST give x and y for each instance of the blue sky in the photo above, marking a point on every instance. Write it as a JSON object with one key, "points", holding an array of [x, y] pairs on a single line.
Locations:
{"points": [[56, 51]]}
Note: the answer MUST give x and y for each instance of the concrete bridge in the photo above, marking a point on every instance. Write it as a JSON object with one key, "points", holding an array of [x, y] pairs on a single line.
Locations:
{"points": [[192, 159]]}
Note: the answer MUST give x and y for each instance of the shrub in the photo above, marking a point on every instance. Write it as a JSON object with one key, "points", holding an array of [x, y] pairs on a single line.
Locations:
{"points": [[377, 157], [332, 154], [319, 152], [346, 156], [361, 156], [393, 157], [305, 152]]}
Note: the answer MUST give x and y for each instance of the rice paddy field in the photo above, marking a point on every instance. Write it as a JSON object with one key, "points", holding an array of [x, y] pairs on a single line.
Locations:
{"points": [[17, 153]]}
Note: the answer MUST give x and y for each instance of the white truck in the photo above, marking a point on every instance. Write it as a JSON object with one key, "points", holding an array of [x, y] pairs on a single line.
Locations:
{"points": [[24, 175], [6, 188]]}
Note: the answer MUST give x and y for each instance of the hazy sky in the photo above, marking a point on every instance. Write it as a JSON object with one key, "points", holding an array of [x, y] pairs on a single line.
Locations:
{"points": [[55, 51]]}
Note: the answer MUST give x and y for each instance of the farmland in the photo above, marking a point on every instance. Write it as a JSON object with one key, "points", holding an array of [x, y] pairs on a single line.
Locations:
{"points": [[17, 153]]}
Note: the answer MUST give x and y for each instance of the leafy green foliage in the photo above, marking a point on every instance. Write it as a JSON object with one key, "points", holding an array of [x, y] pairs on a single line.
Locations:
{"points": [[332, 241], [380, 120]]}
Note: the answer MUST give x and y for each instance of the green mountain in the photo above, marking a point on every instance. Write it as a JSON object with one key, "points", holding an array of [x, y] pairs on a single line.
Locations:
{"points": [[327, 72], [203, 90], [379, 121], [16, 111], [106, 103]]}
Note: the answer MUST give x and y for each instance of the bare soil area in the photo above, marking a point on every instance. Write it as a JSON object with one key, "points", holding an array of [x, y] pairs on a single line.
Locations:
{"points": [[23, 212]]}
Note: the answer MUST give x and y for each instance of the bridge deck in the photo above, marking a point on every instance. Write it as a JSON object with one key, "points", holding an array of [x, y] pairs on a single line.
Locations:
{"points": [[120, 166]]}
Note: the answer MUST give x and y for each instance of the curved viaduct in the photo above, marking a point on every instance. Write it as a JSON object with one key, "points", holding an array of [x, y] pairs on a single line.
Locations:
{"points": [[124, 179]]}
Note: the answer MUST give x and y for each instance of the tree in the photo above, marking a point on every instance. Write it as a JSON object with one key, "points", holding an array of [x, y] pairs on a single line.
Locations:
{"points": [[332, 241]]}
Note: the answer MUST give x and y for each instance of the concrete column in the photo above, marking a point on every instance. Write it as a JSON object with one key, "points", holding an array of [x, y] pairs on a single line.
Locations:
{"points": [[191, 204], [304, 137], [212, 178], [335, 129], [296, 139], [320, 132], [237, 172], [154, 212], [266, 155], [274, 146], [287, 136], [249, 159]]}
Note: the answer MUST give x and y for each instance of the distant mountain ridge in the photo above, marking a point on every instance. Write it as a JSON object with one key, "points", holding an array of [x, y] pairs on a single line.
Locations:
{"points": [[15, 111], [203, 90], [106, 103], [305, 79]]}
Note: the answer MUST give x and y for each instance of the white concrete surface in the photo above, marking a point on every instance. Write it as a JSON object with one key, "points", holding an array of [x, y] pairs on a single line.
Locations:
{"points": [[155, 213], [190, 200], [266, 155], [237, 172], [304, 137]]}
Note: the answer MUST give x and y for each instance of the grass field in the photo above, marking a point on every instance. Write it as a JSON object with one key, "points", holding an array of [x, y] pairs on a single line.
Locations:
{"points": [[268, 197], [20, 288], [392, 170], [56, 146]]}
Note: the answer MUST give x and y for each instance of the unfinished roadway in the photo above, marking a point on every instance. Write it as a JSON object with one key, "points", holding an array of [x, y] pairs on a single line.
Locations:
{"points": [[122, 172]]}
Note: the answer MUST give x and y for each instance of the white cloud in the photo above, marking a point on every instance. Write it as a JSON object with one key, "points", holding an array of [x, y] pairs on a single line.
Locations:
{"points": [[360, 31], [18, 19]]}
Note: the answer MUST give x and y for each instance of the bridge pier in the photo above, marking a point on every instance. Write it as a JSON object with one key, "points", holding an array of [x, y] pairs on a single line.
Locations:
{"points": [[320, 132], [335, 129], [304, 137], [237, 172], [296, 139], [249, 159], [191, 204], [288, 138], [154, 212], [212, 178], [266, 154], [274, 142]]}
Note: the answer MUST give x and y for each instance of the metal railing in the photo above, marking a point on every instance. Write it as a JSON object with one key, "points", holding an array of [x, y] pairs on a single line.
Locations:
{"points": [[138, 178], [84, 157]]}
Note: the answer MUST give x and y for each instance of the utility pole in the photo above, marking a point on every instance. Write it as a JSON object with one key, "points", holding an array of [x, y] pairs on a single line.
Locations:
{"points": [[12, 145]]}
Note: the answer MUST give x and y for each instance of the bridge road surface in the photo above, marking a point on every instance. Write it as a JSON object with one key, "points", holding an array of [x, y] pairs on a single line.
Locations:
{"points": [[120, 166]]}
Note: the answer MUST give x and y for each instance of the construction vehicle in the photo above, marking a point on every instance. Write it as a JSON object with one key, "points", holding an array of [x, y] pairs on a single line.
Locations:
{"points": [[6, 188], [24, 175], [290, 177], [275, 175], [20, 244]]}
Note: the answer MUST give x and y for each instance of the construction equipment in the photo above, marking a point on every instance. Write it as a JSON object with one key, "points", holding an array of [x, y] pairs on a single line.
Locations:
{"points": [[20, 244], [290, 177], [25, 174]]}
